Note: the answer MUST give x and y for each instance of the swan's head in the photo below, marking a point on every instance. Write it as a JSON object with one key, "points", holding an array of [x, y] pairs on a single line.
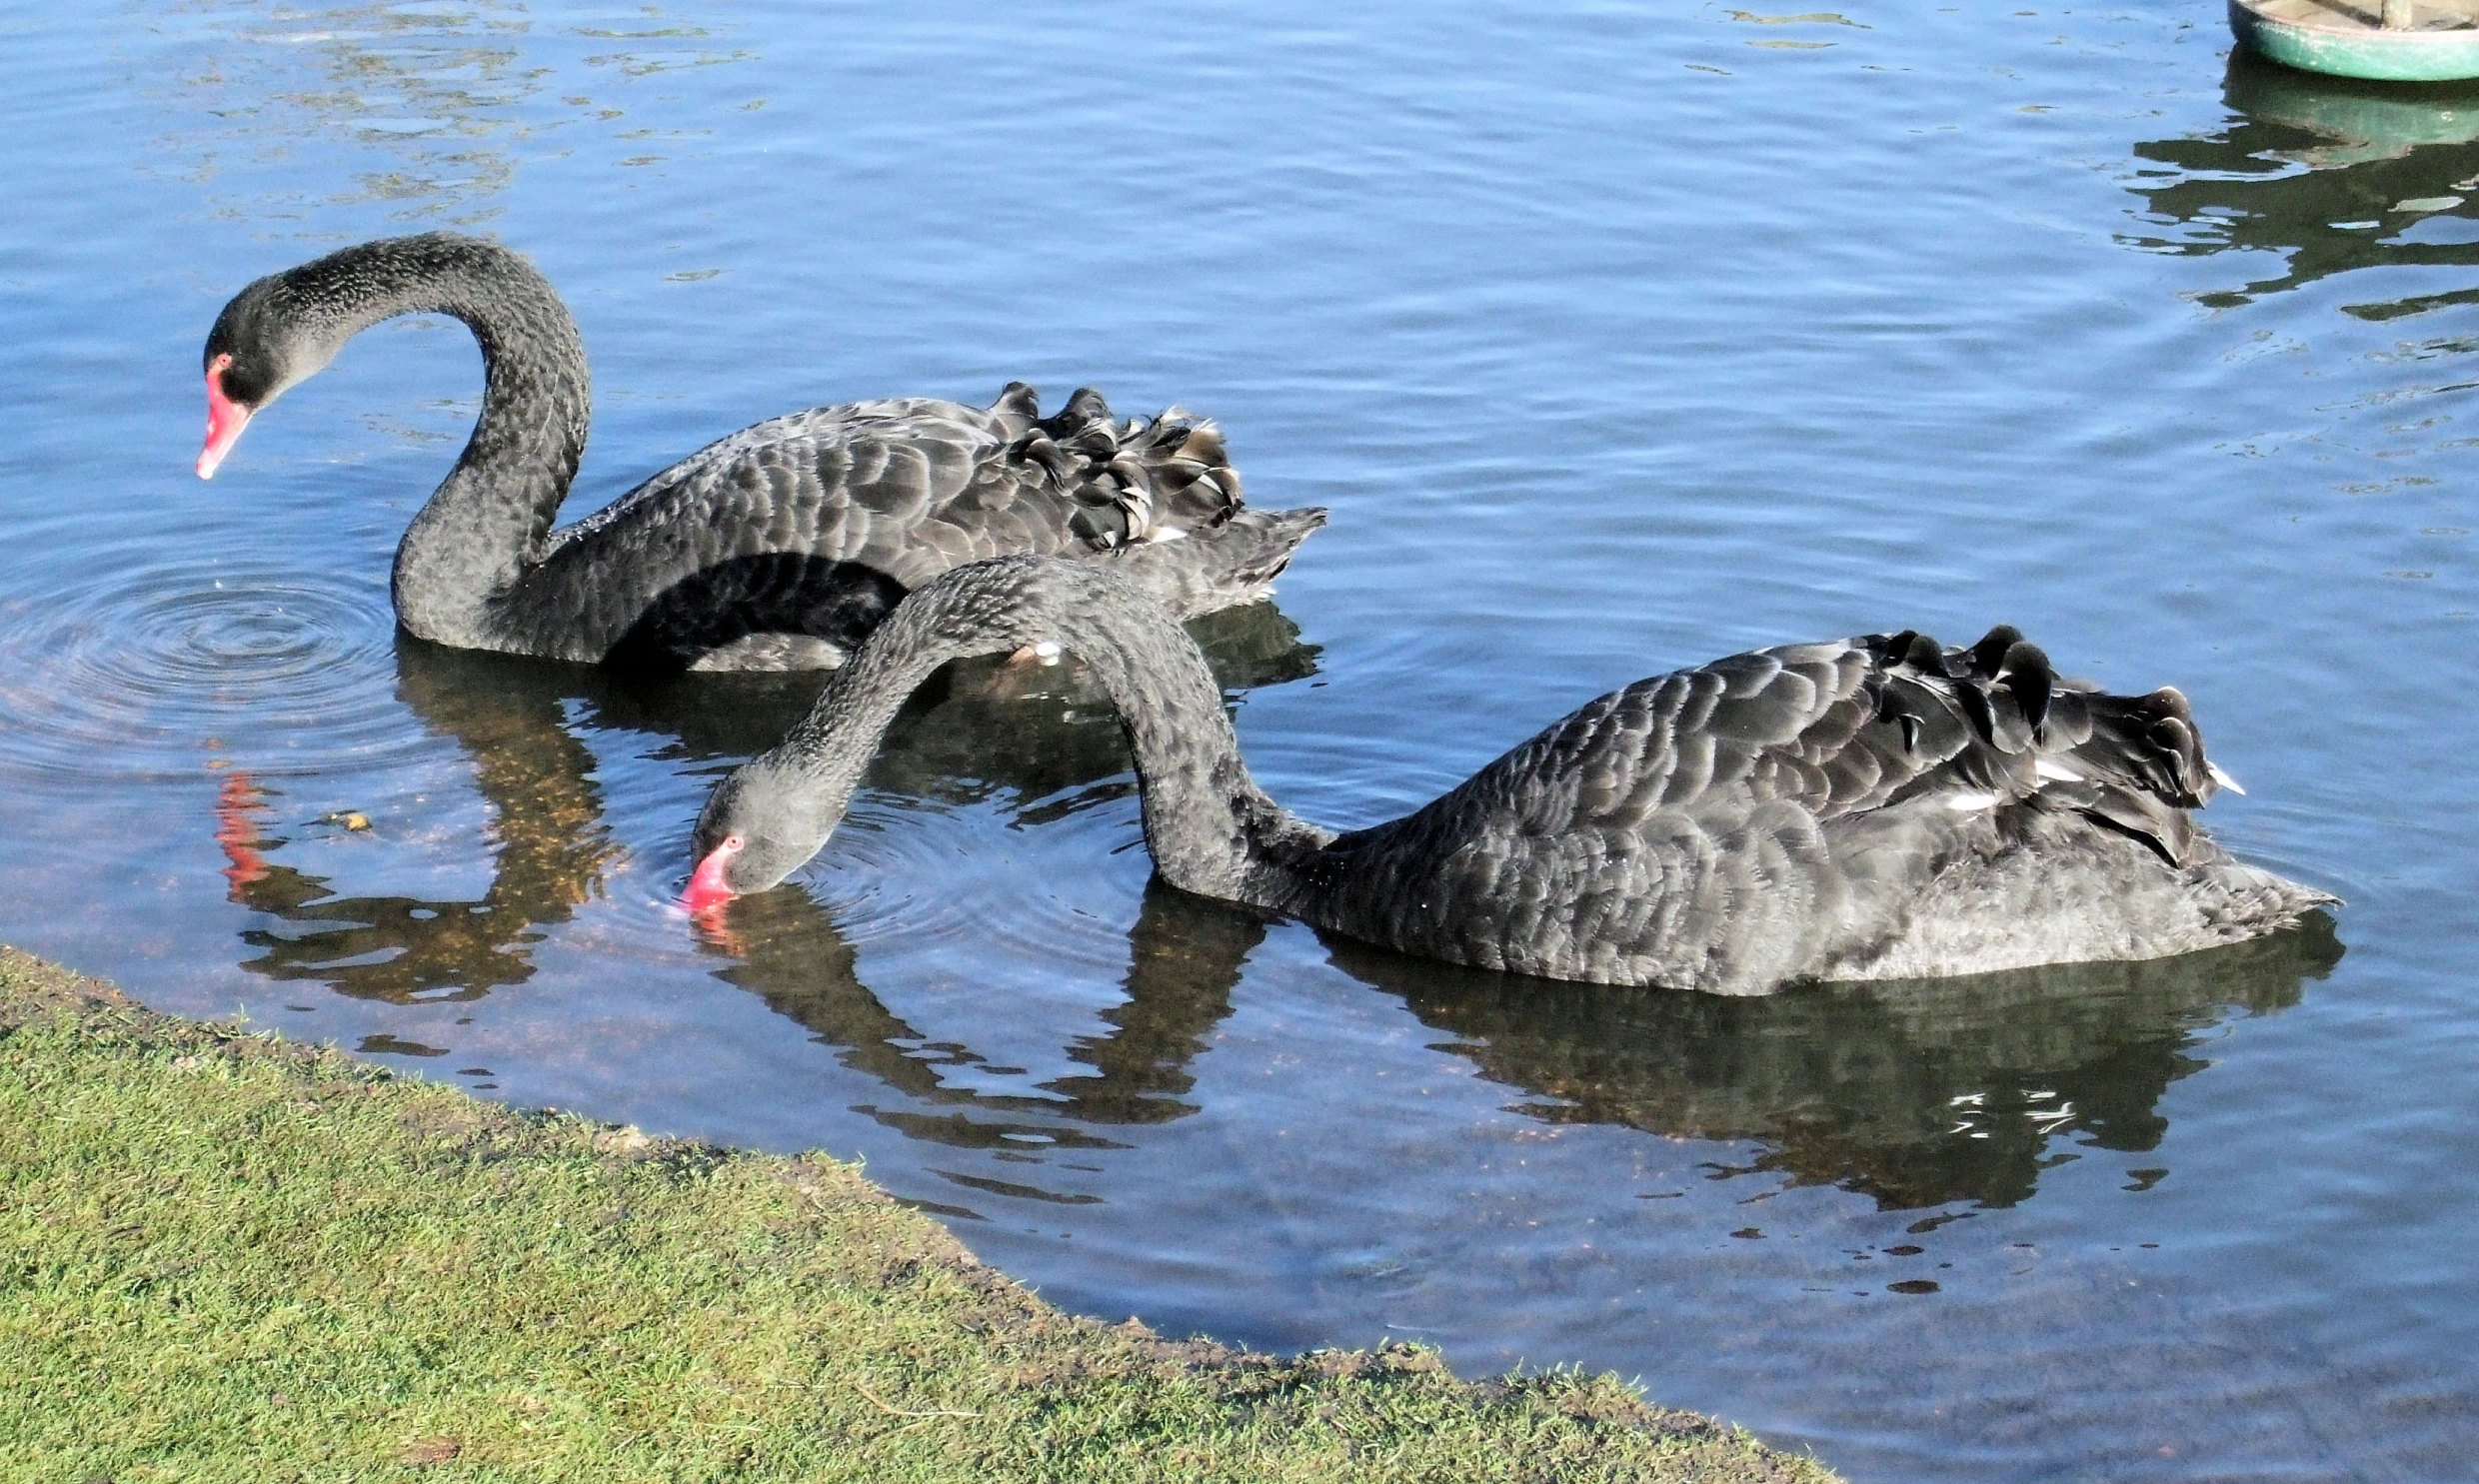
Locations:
{"points": [[758, 825], [271, 337]]}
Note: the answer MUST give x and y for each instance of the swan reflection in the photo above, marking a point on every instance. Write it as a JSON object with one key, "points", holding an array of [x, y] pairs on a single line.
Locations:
{"points": [[549, 851], [1915, 1092], [1185, 956], [2327, 174], [550, 847], [1915, 1095]]}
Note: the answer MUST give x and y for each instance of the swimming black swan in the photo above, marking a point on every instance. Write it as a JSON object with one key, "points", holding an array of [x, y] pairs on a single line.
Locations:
{"points": [[1876, 807], [773, 549]]}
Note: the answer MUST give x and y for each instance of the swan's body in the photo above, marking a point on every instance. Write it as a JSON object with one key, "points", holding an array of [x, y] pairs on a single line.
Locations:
{"points": [[1872, 808], [773, 549]]}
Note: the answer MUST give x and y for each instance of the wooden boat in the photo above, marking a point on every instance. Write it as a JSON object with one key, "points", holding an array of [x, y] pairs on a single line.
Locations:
{"points": [[2386, 40]]}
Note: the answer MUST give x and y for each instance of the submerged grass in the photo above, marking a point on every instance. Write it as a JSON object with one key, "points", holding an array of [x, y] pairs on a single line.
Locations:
{"points": [[228, 1256]]}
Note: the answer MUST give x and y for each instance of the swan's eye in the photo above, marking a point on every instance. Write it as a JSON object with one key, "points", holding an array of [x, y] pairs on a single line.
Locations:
{"points": [[246, 386], [734, 844]]}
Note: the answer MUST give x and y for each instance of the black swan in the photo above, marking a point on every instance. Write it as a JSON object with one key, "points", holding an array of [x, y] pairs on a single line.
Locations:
{"points": [[773, 549], [1874, 807]]}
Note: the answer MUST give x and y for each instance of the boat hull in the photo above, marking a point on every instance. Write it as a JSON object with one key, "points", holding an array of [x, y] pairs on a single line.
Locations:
{"points": [[2343, 50]]}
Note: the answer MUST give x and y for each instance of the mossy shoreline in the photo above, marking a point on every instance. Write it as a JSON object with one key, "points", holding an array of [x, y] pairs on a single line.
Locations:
{"points": [[229, 1256]]}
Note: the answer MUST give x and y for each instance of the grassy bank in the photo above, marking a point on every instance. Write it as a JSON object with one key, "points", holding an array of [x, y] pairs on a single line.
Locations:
{"points": [[227, 1256]]}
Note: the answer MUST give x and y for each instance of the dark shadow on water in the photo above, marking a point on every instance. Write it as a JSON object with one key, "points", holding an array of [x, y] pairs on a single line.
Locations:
{"points": [[969, 736], [2317, 170], [1185, 958], [547, 849], [1915, 1092]]}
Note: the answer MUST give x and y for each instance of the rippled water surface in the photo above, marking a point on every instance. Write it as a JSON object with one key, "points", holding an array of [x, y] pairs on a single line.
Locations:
{"points": [[1616, 338]]}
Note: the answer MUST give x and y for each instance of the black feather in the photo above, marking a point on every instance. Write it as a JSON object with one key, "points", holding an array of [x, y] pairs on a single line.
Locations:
{"points": [[1988, 656], [2030, 677]]}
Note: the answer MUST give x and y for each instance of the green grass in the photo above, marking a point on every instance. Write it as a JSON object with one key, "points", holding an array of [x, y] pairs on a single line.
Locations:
{"points": [[227, 1256]]}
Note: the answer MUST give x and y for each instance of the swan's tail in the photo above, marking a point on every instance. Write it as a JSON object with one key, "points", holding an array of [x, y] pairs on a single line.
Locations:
{"points": [[2143, 770], [2240, 901], [1231, 564], [2133, 763]]}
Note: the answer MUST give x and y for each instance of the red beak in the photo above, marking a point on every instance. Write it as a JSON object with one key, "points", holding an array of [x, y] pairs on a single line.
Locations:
{"points": [[707, 890], [225, 419]]}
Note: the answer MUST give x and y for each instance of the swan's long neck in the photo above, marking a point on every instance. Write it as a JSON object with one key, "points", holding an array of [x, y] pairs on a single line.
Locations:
{"points": [[1211, 829], [488, 520]]}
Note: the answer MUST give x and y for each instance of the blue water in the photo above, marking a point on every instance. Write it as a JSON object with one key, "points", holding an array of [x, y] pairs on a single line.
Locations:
{"points": [[1616, 338]]}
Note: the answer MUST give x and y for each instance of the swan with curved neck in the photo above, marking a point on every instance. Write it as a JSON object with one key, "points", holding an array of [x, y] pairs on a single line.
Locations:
{"points": [[1873, 807], [776, 548]]}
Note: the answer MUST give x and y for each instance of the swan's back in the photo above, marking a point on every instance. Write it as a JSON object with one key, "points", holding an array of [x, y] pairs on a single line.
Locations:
{"points": [[812, 524], [1858, 809]]}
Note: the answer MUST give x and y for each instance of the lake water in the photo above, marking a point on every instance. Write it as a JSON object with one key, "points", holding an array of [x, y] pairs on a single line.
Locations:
{"points": [[1616, 338]]}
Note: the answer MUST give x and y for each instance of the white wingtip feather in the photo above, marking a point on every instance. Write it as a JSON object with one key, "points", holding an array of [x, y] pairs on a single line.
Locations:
{"points": [[2054, 773], [2223, 779], [1963, 803]]}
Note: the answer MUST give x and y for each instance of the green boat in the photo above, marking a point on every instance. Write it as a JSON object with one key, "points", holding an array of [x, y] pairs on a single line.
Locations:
{"points": [[2384, 40]]}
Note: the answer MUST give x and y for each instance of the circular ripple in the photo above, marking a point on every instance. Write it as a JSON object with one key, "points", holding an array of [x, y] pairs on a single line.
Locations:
{"points": [[911, 879], [152, 665], [908, 870]]}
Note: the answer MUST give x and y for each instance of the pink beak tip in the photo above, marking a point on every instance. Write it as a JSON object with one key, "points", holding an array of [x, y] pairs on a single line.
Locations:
{"points": [[225, 419], [708, 890]]}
